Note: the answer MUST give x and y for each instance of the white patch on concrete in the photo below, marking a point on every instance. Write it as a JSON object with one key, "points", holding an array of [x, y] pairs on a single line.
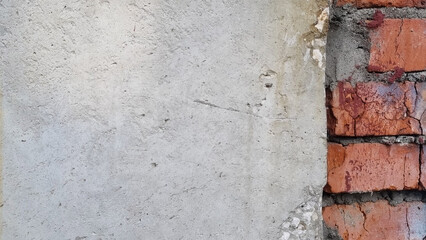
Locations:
{"points": [[317, 55], [317, 45], [318, 42], [323, 19]]}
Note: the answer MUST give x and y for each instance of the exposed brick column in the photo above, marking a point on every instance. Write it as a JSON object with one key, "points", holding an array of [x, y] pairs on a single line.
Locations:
{"points": [[376, 121]]}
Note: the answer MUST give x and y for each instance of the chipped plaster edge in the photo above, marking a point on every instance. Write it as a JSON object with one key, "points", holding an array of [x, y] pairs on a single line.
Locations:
{"points": [[305, 221], [316, 38]]}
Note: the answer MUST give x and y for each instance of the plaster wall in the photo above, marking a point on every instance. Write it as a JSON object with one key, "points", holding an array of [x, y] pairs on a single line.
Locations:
{"points": [[162, 119]]}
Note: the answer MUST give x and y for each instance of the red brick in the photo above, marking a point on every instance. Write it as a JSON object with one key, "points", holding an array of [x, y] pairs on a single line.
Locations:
{"points": [[383, 3], [335, 155], [365, 167], [373, 109], [420, 106], [346, 219], [378, 220], [399, 43], [423, 168]]}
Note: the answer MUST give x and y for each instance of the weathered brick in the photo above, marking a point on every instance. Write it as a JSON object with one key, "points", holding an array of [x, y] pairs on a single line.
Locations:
{"points": [[398, 43], [420, 106], [365, 167], [378, 220], [374, 109], [383, 3], [423, 168]]}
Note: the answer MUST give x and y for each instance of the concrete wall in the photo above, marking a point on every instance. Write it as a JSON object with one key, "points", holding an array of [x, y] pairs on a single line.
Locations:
{"points": [[162, 119]]}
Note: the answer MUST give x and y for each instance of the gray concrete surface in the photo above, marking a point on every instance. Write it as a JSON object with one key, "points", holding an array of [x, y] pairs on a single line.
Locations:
{"points": [[162, 119]]}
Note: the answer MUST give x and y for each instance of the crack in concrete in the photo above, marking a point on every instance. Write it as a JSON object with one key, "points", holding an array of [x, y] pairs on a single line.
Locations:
{"points": [[225, 108], [239, 111]]}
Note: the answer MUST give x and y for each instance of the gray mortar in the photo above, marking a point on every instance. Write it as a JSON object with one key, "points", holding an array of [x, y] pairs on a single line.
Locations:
{"points": [[393, 197], [351, 12], [331, 233], [383, 139], [348, 45]]}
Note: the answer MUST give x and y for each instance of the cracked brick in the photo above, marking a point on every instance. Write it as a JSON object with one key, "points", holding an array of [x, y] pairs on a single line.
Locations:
{"points": [[420, 106], [374, 109], [398, 43], [365, 167], [423, 168], [377, 220]]}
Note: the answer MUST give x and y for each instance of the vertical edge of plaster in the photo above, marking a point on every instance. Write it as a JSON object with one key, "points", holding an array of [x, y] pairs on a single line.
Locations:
{"points": [[305, 221]]}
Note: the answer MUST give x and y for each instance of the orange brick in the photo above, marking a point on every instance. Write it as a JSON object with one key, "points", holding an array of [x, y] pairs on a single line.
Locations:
{"points": [[365, 167], [377, 220], [374, 109], [335, 155], [383, 3], [399, 43]]}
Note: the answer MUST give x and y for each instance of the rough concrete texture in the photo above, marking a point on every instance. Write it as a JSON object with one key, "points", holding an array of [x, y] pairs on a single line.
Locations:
{"points": [[348, 45], [161, 119], [298, 226], [378, 220]]}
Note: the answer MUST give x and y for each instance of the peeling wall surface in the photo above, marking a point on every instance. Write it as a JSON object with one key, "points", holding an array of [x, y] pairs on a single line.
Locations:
{"points": [[162, 119]]}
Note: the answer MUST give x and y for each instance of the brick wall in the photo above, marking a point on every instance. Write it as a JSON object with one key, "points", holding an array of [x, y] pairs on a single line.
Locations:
{"points": [[376, 107]]}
